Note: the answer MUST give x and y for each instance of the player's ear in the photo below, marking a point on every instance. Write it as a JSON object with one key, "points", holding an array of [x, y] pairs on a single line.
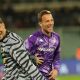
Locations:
{"points": [[40, 24]]}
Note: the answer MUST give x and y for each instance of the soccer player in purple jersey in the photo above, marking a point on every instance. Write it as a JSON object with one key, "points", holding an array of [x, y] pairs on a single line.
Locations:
{"points": [[44, 46]]}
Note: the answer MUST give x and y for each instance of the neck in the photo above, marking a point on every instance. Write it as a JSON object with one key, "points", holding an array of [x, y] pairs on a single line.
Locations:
{"points": [[47, 33]]}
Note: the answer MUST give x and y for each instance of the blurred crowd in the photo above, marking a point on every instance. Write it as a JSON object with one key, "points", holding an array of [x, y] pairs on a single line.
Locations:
{"points": [[26, 1], [63, 16]]}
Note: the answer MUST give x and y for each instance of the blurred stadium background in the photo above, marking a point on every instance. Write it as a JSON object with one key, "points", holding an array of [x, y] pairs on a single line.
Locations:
{"points": [[20, 16]]}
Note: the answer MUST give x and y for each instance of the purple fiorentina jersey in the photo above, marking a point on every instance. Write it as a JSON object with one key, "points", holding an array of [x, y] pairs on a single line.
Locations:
{"points": [[47, 47]]}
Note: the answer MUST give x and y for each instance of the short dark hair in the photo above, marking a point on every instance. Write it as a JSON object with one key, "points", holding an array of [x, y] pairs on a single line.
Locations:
{"points": [[1, 21], [43, 12]]}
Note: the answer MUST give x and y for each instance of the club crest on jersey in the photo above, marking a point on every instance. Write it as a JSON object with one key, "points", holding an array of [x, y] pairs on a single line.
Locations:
{"points": [[41, 40]]}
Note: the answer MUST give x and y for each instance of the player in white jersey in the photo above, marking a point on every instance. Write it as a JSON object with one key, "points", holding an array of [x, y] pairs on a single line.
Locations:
{"points": [[18, 65]]}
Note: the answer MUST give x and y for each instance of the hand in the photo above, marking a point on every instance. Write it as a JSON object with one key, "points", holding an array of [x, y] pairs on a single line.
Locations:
{"points": [[39, 60], [53, 74]]}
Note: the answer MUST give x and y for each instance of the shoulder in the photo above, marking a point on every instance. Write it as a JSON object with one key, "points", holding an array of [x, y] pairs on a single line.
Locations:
{"points": [[56, 34], [34, 35], [14, 36]]}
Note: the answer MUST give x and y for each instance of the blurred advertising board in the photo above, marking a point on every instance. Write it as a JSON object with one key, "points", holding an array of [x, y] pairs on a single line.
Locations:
{"points": [[70, 67]]}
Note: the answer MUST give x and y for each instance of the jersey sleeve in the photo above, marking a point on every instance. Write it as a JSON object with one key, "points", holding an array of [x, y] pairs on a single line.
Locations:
{"points": [[56, 57], [29, 44]]}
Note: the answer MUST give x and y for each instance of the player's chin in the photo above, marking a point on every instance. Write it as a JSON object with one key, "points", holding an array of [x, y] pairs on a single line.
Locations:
{"points": [[50, 30]]}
